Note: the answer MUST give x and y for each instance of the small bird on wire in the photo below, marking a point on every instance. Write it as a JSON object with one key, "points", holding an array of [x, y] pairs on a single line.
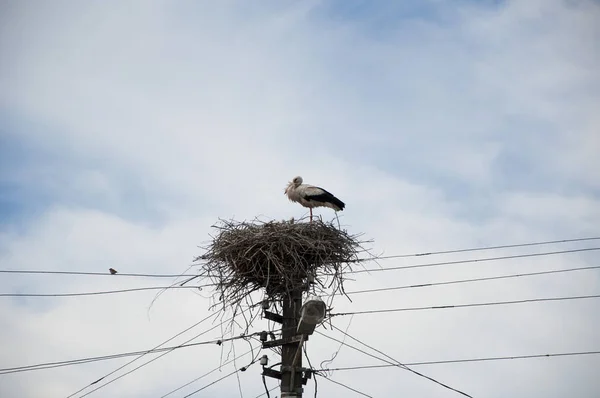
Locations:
{"points": [[311, 196], [112, 271]]}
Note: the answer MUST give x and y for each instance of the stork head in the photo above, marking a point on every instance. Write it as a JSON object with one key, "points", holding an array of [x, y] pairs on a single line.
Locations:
{"points": [[295, 183]]}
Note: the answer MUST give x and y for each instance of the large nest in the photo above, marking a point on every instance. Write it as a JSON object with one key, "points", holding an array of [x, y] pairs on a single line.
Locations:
{"points": [[279, 257]]}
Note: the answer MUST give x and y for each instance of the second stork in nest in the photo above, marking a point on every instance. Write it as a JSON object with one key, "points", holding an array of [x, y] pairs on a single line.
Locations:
{"points": [[311, 196]]}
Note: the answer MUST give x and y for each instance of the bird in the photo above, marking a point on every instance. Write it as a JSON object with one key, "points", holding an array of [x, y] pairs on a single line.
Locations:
{"points": [[311, 196], [112, 271]]}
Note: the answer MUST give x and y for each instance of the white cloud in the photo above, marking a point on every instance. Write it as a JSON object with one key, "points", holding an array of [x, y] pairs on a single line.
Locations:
{"points": [[146, 122]]}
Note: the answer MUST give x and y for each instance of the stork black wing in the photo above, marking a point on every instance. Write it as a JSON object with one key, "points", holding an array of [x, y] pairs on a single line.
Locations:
{"points": [[326, 196]]}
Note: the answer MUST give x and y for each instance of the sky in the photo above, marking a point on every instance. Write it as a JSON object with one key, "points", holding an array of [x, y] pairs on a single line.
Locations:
{"points": [[128, 129]]}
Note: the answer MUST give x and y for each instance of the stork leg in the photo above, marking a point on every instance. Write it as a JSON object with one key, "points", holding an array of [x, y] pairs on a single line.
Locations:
{"points": [[310, 208]]}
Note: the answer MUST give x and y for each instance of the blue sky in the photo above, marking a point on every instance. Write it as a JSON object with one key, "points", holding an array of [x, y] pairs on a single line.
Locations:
{"points": [[414, 127], [128, 129]]}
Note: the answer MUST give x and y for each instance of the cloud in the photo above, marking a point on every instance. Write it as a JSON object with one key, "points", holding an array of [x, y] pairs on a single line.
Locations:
{"points": [[128, 129]]}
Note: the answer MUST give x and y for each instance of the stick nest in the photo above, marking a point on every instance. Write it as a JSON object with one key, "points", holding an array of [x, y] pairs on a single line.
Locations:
{"points": [[278, 257]]}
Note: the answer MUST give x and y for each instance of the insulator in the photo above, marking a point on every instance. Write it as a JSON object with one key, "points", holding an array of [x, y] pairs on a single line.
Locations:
{"points": [[264, 360], [263, 336]]}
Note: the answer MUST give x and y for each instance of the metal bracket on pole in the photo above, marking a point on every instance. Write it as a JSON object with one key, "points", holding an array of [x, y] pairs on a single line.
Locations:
{"points": [[307, 372], [287, 340], [273, 317], [272, 373], [277, 374]]}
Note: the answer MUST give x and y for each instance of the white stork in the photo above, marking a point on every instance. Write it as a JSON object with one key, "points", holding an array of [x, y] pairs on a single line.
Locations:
{"points": [[311, 196]]}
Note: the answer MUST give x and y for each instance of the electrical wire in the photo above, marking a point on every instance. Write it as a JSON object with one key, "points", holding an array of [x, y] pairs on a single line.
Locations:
{"points": [[137, 289], [267, 392], [132, 370], [310, 367], [489, 278], [207, 373], [50, 365], [357, 349], [144, 364], [264, 380], [453, 251], [466, 360], [212, 383], [57, 364], [442, 307], [335, 354], [348, 293], [401, 365], [237, 374], [354, 348], [347, 387], [44, 272], [449, 361], [476, 260], [154, 359], [509, 246], [360, 312], [218, 380], [147, 352]]}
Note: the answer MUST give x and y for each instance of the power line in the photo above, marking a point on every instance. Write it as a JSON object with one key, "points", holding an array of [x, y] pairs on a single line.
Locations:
{"points": [[440, 361], [207, 373], [152, 360], [158, 357], [354, 348], [113, 356], [448, 361], [471, 260], [136, 289], [397, 364], [348, 387], [147, 352], [214, 382], [269, 390], [57, 364], [50, 365], [442, 307], [348, 293], [465, 360], [132, 370], [489, 278], [401, 365], [548, 242], [214, 370], [453, 251], [43, 272], [218, 380]]}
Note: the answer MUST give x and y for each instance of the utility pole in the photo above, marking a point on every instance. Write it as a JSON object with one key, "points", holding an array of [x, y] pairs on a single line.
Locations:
{"points": [[291, 354], [292, 375]]}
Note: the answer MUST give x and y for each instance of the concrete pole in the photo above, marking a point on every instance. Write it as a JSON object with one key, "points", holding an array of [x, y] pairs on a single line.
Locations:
{"points": [[291, 316]]}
